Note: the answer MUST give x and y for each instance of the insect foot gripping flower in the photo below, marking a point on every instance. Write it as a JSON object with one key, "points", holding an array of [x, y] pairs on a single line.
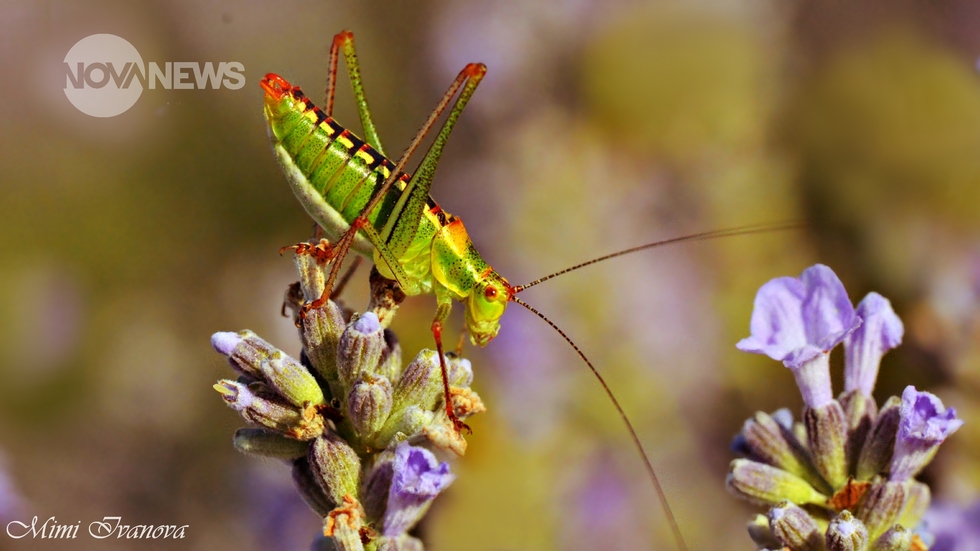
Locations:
{"points": [[843, 478], [355, 425]]}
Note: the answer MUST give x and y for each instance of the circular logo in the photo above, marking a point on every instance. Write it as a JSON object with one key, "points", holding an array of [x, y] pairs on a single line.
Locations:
{"points": [[103, 75]]}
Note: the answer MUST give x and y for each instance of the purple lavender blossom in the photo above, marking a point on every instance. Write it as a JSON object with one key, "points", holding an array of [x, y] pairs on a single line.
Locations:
{"points": [[797, 321], [924, 425], [880, 331], [417, 479]]}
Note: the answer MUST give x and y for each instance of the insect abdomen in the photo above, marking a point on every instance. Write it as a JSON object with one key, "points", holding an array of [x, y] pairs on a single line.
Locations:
{"points": [[335, 174], [341, 168]]}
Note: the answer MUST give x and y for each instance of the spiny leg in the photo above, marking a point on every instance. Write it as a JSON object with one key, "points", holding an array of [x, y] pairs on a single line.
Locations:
{"points": [[345, 40], [442, 312]]}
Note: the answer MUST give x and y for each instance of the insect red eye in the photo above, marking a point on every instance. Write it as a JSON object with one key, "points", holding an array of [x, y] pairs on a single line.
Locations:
{"points": [[490, 292]]}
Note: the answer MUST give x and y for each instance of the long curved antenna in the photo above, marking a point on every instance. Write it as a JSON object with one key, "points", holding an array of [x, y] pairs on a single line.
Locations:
{"points": [[678, 537], [703, 236]]}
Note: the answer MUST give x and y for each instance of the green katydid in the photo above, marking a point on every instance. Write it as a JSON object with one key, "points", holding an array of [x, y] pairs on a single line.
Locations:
{"points": [[367, 203]]}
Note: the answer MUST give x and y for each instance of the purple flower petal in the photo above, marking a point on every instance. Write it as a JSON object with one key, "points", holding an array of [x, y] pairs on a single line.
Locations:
{"points": [[776, 326], [828, 315], [416, 480], [795, 320], [924, 425], [924, 418], [880, 331]]}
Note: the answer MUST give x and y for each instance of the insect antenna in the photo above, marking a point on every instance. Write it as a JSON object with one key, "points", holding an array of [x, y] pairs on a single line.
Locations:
{"points": [[629, 426], [694, 237]]}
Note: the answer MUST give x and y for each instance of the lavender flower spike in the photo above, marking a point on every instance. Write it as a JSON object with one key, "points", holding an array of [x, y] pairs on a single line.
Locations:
{"points": [[924, 425], [880, 331], [797, 321], [416, 480]]}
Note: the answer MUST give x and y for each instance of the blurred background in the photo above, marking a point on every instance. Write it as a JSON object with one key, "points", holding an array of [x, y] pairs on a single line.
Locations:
{"points": [[127, 241]]}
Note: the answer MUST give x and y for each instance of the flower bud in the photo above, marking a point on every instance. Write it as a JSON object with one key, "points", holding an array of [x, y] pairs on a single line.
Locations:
{"points": [[881, 506], [262, 409], [406, 422], [768, 485], [768, 442], [245, 351], [897, 538], [309, 488], [335, 466], [794, 528], [369, 404], [420, 383], [826, 431], [266, 443], [321, 333], [860, 411], [880, 442], [359, 349], [847, 533], [291, 380]]}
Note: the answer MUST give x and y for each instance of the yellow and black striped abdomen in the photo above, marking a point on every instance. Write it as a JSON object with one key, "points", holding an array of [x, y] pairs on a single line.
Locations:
{"points": [[335, 174]]}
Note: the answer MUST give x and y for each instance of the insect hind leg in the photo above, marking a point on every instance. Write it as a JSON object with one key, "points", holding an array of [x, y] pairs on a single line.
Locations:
{"points": [[344, 40], [467, 80]]}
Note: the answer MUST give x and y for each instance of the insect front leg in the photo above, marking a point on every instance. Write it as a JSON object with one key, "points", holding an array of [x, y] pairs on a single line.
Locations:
{"points": [[445, 302]]}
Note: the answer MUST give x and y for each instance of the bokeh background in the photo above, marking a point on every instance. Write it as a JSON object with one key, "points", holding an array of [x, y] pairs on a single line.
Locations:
{"points": [[601, 125]]}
